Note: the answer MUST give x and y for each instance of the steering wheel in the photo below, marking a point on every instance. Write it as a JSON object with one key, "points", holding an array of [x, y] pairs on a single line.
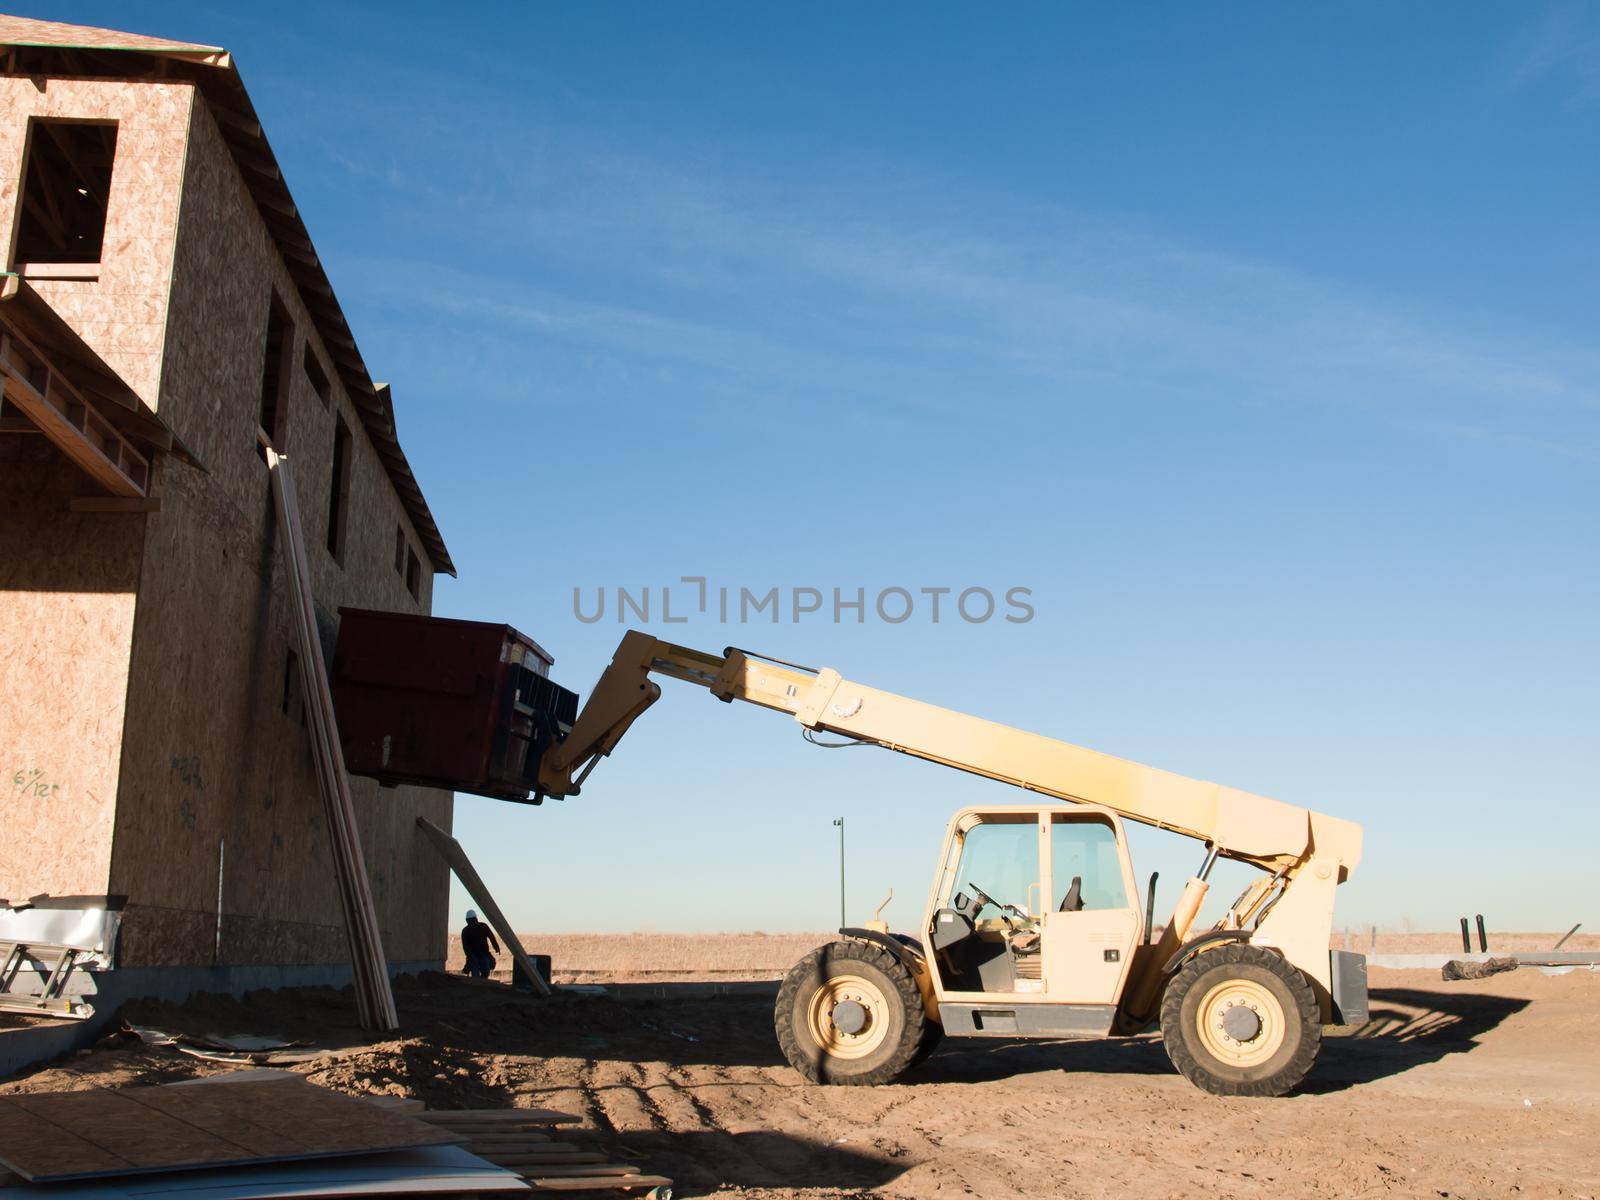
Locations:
{"points": [[1009, 913], [983, 897]]}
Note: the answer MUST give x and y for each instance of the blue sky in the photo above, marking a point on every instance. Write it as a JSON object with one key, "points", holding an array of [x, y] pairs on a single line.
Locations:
{"points": [[1257, 341]]}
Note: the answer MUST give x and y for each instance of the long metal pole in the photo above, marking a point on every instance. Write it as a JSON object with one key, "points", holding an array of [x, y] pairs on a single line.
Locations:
{"points": [[840, 823]]}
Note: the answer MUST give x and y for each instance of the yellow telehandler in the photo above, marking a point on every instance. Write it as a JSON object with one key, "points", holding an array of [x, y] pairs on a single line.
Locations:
{"points": [[1033, 926]]}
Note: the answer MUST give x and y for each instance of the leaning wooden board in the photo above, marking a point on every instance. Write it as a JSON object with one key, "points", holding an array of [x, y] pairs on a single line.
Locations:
{"points": [[100, 1132]]}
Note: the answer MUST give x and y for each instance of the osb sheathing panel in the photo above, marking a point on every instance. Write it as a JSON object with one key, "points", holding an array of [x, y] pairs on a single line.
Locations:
{"points": [[67, 581], [66, 620], [122, 315], [217, 779]]}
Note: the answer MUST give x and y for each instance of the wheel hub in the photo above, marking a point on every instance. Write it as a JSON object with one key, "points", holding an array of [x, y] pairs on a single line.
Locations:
{"points": [[1241, 1023], [849, 1017]]}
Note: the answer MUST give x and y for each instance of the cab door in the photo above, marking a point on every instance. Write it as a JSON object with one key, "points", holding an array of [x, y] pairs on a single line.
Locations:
{"points": [[997, 852], [1091, 919]]}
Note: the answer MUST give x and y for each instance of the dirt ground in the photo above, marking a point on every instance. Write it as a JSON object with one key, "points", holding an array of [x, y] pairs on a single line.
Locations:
{"points": [[1482, 1089]]}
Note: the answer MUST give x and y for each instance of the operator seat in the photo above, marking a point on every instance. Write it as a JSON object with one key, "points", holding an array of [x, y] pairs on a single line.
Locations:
{"points": [[1073, 900]]}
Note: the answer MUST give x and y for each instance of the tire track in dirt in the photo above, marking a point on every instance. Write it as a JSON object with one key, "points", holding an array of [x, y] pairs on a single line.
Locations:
{"points": [[803, 1135], [701, 1143], [684, 1087], [746, 1145], [618, 1101], [594, 1109]]}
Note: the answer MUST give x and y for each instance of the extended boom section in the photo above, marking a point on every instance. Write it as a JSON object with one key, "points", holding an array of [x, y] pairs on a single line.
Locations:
{"points": [[1252, 828]]}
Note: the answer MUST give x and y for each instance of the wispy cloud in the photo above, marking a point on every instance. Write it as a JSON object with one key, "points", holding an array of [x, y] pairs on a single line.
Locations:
{"points": [[874, 290], [1562, 46], [1513, 440]]}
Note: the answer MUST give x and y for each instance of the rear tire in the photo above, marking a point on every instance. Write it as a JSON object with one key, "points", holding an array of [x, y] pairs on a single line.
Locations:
{"points": [[850, 1012], [1241, 1021]]}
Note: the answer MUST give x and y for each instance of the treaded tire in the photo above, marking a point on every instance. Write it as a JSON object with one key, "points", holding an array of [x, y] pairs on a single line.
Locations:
{"points": [[1302, 1021], [906, 1020]]}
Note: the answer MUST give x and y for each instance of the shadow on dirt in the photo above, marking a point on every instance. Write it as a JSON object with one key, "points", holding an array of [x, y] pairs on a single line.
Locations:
{"points": [[449, 1030], [985, 1060], [1408, 1028], [701, 1162]]}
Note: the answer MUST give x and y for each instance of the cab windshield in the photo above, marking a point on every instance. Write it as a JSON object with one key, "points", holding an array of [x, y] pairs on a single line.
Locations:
{"points": [[1002, 860]]}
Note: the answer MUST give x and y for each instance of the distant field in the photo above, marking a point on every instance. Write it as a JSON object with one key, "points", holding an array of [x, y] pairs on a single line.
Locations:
{"points": [[636, 957], [1448, 943]]}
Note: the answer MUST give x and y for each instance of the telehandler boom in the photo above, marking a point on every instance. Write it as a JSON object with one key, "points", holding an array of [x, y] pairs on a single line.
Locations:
{"points": [[1032, 926]]}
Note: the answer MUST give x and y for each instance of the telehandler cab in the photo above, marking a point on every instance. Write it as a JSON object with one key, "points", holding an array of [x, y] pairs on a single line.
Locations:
{"points": [[1033, 927]]}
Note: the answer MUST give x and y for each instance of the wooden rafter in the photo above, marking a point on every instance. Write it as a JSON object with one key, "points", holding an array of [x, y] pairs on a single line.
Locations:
{"points": [[291, 238], [300, 254], [41, 202], [284, 208], [236, 121], [67, 175], [38, 391], [88, 179], [337, 336], [349, 358], [263, 167]]}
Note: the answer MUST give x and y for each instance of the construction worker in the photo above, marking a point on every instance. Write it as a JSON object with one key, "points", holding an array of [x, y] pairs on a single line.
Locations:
{"points": [[476, 938]]}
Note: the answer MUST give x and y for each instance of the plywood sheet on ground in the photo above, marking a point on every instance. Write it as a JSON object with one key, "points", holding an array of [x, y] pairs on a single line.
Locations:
{"points": [[81, 1135]]}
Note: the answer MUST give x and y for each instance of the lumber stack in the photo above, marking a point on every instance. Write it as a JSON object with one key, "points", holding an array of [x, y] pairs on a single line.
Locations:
{"points": [[524, 1140], [272, 1135], [374, 997], [258, 1138]]}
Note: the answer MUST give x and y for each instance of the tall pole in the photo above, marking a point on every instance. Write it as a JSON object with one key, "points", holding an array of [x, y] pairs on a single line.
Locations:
{"points": [[840, 823]]}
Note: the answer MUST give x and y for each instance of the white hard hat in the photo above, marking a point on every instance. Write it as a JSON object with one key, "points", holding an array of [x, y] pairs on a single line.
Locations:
{"points": [[472, 915]]}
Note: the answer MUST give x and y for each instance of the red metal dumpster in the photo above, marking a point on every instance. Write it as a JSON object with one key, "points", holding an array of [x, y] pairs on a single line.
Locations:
{"points": [[462, 705]]}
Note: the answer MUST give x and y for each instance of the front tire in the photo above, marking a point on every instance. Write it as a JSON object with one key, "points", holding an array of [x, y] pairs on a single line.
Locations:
{"points": [[849, 1012], [1241, 1021]]}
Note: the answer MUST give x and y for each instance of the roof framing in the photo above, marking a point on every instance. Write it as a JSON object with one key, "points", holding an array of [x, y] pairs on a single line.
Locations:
{"points": [[43, 378], [48, 48]]}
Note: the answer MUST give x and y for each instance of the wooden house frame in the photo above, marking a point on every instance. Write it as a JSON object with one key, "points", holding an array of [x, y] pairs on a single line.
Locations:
{"points": [[161, 297]]}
